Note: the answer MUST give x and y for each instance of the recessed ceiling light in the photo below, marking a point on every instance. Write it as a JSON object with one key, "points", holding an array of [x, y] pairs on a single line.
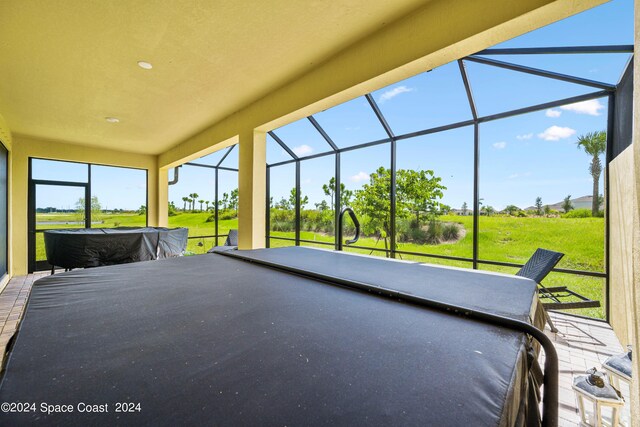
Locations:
{"points": [[112, 119], [145, 65]]}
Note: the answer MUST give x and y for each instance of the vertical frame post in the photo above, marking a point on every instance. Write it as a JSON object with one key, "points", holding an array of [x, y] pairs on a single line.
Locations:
{"points": [[267, 219], [337, 200], [392, 180], [87, 199], [476, 161], [31, 217], [297, 201], [392, 208], [611, 113], [476, 192], [215, 207], [146, 199]]}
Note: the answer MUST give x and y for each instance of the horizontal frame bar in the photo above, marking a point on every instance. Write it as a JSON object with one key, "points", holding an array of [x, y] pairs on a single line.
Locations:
{"points": [[59, 183], [207, 237], [555, 270], [447, 257], [622, 48], [544, 106], [541, 73], [202, 165], [315, 242]]}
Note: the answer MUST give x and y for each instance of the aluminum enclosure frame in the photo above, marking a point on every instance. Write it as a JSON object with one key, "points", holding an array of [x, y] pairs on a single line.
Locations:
{"points": [[602, 90]]}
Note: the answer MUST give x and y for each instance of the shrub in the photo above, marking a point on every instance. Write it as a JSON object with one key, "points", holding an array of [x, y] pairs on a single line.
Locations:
{"points": [[282, 220], [222, 215], [450, 232], [578, 213], [434, 233], [228, 214], [600, 214], [416, 235]]}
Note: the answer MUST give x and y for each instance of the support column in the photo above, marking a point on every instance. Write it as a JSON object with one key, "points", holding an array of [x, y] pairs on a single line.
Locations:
{"points": [[252, 190], [162, 209]]}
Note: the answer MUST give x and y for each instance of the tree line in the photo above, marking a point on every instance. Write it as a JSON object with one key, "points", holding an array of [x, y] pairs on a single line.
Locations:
{"points": [[228, 201]]}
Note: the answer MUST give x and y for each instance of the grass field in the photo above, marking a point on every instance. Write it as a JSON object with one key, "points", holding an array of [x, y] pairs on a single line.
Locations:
{"points": [[501, 238]]}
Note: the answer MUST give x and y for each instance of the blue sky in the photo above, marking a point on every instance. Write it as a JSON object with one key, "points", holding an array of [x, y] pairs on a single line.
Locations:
{"points": [[121, 188], [521, 158]]}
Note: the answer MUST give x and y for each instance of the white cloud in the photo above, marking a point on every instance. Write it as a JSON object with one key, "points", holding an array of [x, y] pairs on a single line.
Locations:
{"points": [[524, 136], [552, 113], [302, 150], [499, 145], [556, 133], [392, 93], [591, 107], [359, 177]]}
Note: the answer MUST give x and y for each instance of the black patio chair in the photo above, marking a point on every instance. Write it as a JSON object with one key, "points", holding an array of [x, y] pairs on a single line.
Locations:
{"points": [[230, 243], [232, 238], [537, 268], [539, 265]]}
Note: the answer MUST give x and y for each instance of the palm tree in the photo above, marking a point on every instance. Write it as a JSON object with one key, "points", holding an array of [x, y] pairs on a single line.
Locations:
{"points": [[194, 197], [594, 144], [201, 202], [206, 202], [185, 200]]}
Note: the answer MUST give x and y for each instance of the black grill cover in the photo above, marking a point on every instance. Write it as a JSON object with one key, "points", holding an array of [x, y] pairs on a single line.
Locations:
{"points": [[93, 247]]}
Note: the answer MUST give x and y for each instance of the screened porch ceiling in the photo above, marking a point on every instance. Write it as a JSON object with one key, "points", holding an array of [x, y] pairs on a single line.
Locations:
{"points": [[66, 68]]}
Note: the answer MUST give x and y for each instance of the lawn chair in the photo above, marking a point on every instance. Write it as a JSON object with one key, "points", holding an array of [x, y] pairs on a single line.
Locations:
{"points": [[232, 239], [230, 244], [539, 265]]}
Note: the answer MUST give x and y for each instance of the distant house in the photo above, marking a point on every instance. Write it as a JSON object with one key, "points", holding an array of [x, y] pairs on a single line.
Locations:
{"points": [[461, 213]]}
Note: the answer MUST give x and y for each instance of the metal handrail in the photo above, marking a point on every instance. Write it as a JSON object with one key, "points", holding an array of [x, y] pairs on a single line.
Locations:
{"points": [[352, 214]]}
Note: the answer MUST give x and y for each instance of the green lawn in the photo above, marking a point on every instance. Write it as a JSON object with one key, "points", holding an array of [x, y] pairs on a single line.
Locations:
{"points": [[501, 238]]}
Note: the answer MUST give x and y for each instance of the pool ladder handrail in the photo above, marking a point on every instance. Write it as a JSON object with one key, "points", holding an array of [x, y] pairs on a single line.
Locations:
{"points": [[352, 214]]}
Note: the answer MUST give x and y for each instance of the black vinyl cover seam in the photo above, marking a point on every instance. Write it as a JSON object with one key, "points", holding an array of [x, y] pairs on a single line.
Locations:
{"points": [[550, 382]]}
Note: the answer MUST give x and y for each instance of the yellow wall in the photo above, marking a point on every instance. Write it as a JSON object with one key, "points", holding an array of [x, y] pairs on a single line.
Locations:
{"points": [[5, 133], [24, 147], [635, 194], [621, 184]]}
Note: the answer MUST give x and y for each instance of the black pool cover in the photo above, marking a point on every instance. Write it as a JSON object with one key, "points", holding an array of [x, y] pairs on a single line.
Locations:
{"points": [[93, 247], [214, 340]]}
